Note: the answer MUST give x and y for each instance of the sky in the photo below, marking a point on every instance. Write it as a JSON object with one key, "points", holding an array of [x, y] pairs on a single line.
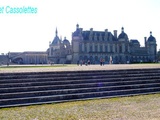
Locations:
{"points": [[33, 31]]}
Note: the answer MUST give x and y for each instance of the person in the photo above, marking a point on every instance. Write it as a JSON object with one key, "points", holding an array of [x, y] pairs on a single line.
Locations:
{"points": [[86, 62], [81, 62], [89, 62], [110, 60], [78, 62], [101, 61], [7, 63]]}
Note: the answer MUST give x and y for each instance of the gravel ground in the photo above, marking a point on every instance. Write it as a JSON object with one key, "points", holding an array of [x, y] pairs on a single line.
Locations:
{"points": [[145, 107], [48, 68]]}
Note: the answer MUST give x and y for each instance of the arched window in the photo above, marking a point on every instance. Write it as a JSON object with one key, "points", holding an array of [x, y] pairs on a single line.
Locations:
{"points": [[85, 58], [120, 48], [80, 47], [80, 58], [116, 48], [126, 48], [91, 49], [106, 58], [116, 59], [101, 48], [127, 59], [96, 48], [51, 51], [85, 48], [106, 48], [96, 58], [111, 48], [91, 59]]}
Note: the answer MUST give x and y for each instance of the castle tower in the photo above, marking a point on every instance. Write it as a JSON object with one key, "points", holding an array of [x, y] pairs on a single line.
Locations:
{"points": [[54, 47], [152, 48], [76, 39]]}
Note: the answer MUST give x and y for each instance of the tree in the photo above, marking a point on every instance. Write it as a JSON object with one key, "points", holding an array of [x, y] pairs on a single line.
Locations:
{"points": [[158, 55]]}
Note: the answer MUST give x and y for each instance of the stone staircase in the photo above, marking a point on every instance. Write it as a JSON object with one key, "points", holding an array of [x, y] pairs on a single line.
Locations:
{"points": [[20, 89]]}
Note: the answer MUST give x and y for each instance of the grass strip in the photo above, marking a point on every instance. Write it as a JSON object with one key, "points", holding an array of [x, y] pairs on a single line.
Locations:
{"points": [[143, 107]]}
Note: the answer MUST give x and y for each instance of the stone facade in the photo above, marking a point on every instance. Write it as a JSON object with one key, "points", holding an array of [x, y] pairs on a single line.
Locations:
{"points": [[28, 57], [92, 46], [59, 51], [96, 45]]}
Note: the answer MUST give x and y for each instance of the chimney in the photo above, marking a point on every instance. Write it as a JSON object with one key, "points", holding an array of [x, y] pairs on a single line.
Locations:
{"points": [[115, 33], [106, 30], [91, 31], [145, 41]]}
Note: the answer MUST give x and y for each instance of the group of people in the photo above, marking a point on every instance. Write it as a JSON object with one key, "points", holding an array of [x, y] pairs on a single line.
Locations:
{"points": [[102, 61], [83, 62]]}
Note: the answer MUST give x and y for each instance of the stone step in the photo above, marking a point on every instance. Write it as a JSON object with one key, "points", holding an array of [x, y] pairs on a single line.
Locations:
{"points": [[74, 73], [45, 79], [104, 80], [47, 86], [76, 90], [79, 96]]}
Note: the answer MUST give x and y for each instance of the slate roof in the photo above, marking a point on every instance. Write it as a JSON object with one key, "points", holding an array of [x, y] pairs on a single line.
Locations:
{"points": [[122, 35], [66, 42], [77, 32], [134, 41], [151, 39], [56, 40], [86, 35]]}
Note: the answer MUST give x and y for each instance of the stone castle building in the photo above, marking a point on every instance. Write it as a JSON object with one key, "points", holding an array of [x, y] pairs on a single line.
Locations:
{"points": [[60, 51], [93, 46], [28, 57], [96, 45]]}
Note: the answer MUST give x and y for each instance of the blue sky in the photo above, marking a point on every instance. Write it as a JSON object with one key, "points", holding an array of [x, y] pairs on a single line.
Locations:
{"points": [[32, 32]]}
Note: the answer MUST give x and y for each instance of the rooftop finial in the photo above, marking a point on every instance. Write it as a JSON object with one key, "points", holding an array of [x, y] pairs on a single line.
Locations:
{"points": [[56, 31], [122, 29], [77, 25], [150, 32]]}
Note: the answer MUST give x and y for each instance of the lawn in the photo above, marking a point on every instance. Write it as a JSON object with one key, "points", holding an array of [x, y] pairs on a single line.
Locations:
{"points": [[144, 107], [36, 66], [33, 68]]}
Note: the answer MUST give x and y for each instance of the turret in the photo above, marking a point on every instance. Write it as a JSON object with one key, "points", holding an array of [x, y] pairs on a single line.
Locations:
{"points": [[152, 47]]}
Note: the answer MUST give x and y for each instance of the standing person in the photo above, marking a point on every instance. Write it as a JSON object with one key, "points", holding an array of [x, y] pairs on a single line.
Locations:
{"points": [[86, 62], [110, 59], [7, 63], [101, 61], [89, 62], [81, 62], [78, 62]]}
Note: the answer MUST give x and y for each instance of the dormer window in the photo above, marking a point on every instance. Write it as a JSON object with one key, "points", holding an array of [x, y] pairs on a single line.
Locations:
{"points": [[100, 37], [90, 37], [95, 36], [110, 37], [106, 37]]}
